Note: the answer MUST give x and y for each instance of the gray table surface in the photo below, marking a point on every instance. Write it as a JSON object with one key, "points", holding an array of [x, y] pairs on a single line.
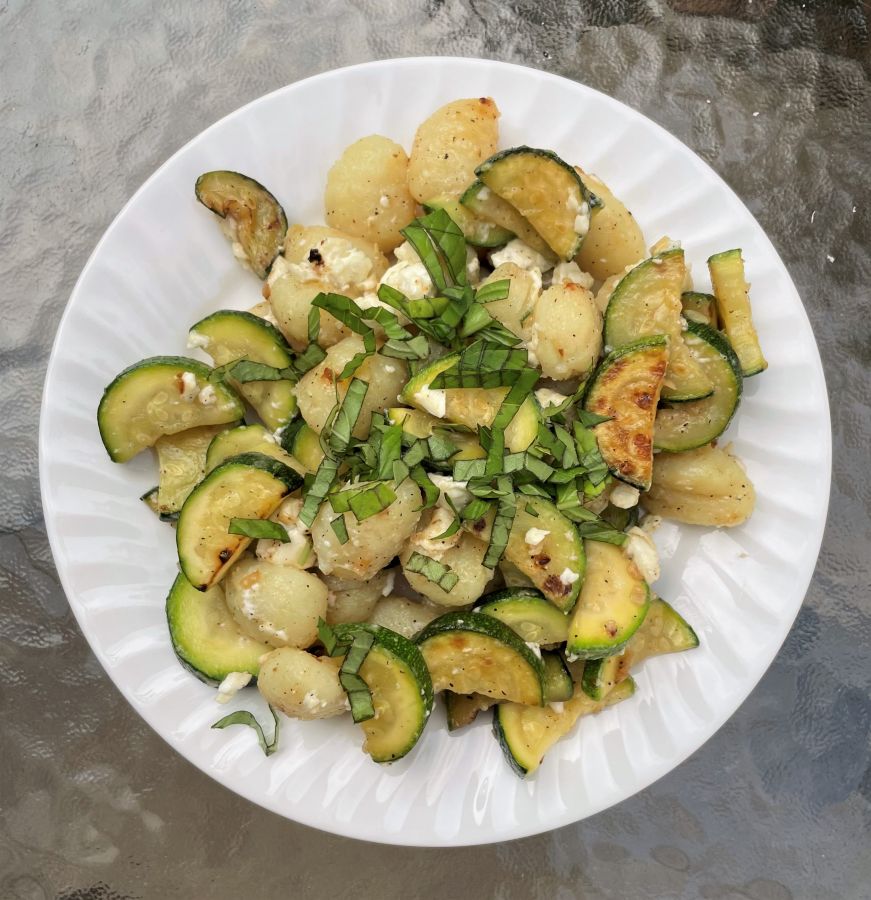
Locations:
{"points": [[93, 97]]}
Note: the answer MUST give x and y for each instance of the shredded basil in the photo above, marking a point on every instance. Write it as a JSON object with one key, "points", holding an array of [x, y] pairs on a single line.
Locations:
{"points": [[347, 415], [243, 717], [433, 570], [440, 244], [258, 529], [372, 501], [495, 290], [340, 529], [506, 510], [323, 480]]}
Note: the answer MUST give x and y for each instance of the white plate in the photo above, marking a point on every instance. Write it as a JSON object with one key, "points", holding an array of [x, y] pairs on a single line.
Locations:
{"points": [[163, 264]]}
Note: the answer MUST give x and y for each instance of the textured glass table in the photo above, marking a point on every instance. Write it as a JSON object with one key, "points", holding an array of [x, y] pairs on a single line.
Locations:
{"points": [[776, 97]]}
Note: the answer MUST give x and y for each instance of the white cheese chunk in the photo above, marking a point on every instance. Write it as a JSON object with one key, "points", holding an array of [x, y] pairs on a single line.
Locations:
{"points": [[624, 496], [188, 387], [522, 255], [642, 551], [231, 685], [568, 577], [535, 536]]}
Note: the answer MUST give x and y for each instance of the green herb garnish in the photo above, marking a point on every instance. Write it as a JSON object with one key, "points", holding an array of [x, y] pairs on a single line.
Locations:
{"points": [[258, 529], [243, 717]]}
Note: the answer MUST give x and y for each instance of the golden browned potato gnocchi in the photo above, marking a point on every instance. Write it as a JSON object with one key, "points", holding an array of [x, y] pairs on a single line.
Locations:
{"points": [[566, 331], [371, 543], [614, 240], [302, 686], [367, 192], [707, 486], [450, 145], [316, 391], [515, 310]]}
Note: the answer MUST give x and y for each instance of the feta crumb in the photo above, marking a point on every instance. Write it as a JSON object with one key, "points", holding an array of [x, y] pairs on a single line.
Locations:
{"points": [[334, 261], [535, 536], [390, 369], [427, 538], [455, 490], [384, 202], [568, 577], [642, 551], [484, 193], [473, 265], [531, 345], [409, 278], [522, 255], [557, 706], [535, 648], [207, 396], [231, 685], [312, 703], [547, 397], [197, 341], [624, 496], [188, 387], [570, 273], [582, 220], [433, 401], [389, 582], [297, 551]]}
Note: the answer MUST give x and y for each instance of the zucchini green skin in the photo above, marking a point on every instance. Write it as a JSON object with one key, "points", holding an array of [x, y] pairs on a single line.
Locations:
{"points": [[733, 308], [477, 232], [526, 733], [647, 301], [235, 335], [697, 423], [546, 215], [626, 388], [664, 630], [306, 448], [260, 220], [205, 637], [181, 460], [613, 604], [393, 657], [699, 307], [127, 427], [445, 663], [558, 684], [149, 498], [205, 549], [462, 709], [528, 612]]}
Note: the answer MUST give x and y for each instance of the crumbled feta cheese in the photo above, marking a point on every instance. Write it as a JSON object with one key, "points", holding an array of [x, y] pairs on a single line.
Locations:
{"points": [[312, 702], [547, 397], [683, 324], [389, 582], [231, 232], [642, 551], [535, 536], [197, 341], [570, 273], [188, 387], [433, 401], [650, 523], [663, 245], [409, 278], [456, 490], [534, 648], [406, 253], [522, 255], [582, 220], [207, 396], [370, 300], [334, 261], [568, 577], [390, 369], [384, 202], [439, 522], [484, 193], [624, 496], [231, 685], [297, 550], [531, 345], [280, 268], [473, 265], [557, 706]]}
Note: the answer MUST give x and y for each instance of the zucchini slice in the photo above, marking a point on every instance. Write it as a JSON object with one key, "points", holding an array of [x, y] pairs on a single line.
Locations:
{"points": [[690, 425], [647, 301], [257, 222], [420, 424], [181, 460], [468, 653], [558, 684], [247, 439], [470, 406], [613, 603], [528, 612], [205, 637], [698, 307], [477, 231], [157, 396], [229, 335], [526, 733], [488, 205], [248, 486], [402, 692], [663, 630], [626, 387], [733, 307], [556, 564], [306, 448], [149, 498], [546, 191], [463, 709]]}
